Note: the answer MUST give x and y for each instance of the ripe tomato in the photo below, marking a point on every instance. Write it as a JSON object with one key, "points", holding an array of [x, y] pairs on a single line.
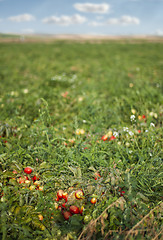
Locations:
{"points": [[112, 138], [74, 210], [104, 138], [41, 188], [28, 170], [67, 215], [60, 194], [63, 205], [93, 200], [79, 194], [65, 195], [40, 217], [22, 179], [35, 178]]}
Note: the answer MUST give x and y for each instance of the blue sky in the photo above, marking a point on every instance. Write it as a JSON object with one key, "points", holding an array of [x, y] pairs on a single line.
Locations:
{"points": [[110, 17]]}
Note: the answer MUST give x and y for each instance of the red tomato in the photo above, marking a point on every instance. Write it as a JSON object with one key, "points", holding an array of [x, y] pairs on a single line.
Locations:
{"points": [[104, 138], [35, 178], [143, 116], [14, 172], [65, 195], [74, 210], [63, 205], [67, 215], [79, 194], [22, 179], [112, 138], [28, 170], [122, 193], [60, 194]]}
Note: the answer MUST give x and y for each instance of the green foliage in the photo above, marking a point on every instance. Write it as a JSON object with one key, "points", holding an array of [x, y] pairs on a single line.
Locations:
{"points": [[57, 102]]}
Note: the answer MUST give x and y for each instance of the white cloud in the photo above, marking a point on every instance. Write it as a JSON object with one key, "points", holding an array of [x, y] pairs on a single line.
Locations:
{"points": [[65, 20], [22, 18], [159, 32], [124, 20], [28, 30], [99, 17], [113, 21], [92, 7], [96, 24]]}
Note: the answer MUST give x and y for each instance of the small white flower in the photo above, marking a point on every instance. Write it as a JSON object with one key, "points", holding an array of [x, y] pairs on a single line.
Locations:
{"points": [[132, 117], [146, 130], [130, 133], [130, 152], [152, 124], [115, 134], [125, 129], [150, 154], [25, 91], [64, 128]]}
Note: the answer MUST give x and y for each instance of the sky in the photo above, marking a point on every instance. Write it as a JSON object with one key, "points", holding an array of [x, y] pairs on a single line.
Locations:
{"points": [[108, 17]]}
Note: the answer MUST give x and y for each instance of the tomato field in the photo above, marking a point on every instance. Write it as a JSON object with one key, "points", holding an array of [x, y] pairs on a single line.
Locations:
{"points": [[80, 140]]}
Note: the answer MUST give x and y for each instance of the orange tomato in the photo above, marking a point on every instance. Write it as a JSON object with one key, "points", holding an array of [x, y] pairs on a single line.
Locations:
{"points": [[93, 200], [79, 194], [40, 217]]}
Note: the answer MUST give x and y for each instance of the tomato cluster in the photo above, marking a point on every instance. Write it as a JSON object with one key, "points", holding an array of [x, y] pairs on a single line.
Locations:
{"points": [[29, 181], [67, 208]]}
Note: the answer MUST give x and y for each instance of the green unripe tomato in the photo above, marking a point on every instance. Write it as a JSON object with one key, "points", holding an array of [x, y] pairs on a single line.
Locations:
{"points": [[87, 219]]}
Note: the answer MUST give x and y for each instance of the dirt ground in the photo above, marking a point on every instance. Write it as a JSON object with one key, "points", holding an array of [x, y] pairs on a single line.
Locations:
{"points": [[79, 38]]}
